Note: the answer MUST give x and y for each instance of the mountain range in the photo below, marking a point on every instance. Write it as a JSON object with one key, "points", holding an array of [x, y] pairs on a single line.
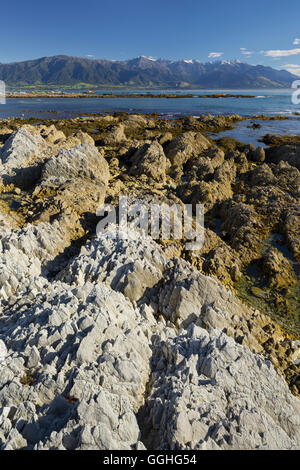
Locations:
{"points": [[142, 72]]}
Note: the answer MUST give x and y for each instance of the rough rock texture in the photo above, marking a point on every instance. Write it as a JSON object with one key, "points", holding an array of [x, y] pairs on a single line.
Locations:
{"points": [[129, 266], [286, 153], [184, 147], [76, 373], [151, 161], [21, 156], [116, 136], [130, 343], [199, 400], [20, 149], [83, 161]]}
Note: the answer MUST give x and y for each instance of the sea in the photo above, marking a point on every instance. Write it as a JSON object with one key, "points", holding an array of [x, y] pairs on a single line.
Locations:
{"points": [[267, 102]]}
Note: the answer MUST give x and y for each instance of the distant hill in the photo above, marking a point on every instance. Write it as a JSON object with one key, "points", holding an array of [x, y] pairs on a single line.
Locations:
{"points": [[142, 72]]}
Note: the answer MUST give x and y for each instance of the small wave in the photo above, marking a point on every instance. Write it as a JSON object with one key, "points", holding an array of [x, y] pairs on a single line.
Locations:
{"points": [[281, 112]]}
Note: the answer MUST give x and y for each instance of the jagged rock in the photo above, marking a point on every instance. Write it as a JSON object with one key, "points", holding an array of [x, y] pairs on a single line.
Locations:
{"points": [[286, 153], [185, 293], [258, 155], [92, 353], [83, 161], [52, 135], [21, 157], [209, 397], [107, 394], [186, 146], [122, 344], [129, 266], [116, 136], [136, 120], [243, 228], [20, 149], [3, 351], [278, 269], [218, 186], [291, 227], [151, 161], [74, 182]]}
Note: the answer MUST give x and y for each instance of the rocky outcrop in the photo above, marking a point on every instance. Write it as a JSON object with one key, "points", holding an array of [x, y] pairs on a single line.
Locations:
{"points": [[21, 157], [285, 153], [89, 368], [151, 161], [115, 136], [83, 161], [198, 399], [184, 147], [129, 266], [128, 343]]}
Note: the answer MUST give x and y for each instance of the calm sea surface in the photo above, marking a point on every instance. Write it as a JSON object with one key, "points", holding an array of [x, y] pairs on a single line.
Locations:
{"points": [[272, 103]]}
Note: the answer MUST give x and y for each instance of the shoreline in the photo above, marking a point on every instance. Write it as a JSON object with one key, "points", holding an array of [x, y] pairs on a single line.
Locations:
{"points": [[10, 95]]}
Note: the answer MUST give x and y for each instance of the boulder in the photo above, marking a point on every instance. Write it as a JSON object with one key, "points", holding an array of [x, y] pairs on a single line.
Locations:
{"points": [[151, 161], [115, 136], [83, 161], [186, 146], [286, 153], [22, 157]]}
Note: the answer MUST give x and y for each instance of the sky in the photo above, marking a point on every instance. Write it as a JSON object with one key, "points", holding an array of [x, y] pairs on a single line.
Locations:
{"points": [[263, 32]]}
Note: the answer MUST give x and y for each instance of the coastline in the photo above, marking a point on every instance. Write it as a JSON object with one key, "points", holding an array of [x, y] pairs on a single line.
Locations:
{"points": [[33, 94]]}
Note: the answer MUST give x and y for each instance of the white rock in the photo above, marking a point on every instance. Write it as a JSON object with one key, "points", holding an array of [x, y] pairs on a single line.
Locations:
{"points": [[3, 351]]}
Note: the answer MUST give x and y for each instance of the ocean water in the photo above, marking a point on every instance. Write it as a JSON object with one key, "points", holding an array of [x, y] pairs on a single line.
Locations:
{"points": [[271, 103]]}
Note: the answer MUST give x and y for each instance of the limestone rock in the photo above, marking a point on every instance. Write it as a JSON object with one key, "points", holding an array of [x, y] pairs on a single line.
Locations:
{"points": [[151, 161], [116, 136], [186, 146], [3, 351], [83, 161], [21, 156], [286, 153], [208, 397]]}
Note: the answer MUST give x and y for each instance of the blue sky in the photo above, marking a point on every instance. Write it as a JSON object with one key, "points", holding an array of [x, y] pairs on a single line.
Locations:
{"points": [[258, 31]]}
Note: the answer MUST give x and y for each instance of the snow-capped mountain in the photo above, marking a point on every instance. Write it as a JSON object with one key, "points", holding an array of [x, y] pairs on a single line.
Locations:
{"points": [[144, 72]]}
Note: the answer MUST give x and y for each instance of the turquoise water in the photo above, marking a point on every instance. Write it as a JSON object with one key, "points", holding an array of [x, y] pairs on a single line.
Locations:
{"points": [[272, 103]]}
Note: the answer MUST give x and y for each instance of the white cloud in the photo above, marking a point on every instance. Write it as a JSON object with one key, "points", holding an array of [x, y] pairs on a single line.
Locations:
{"points": [[296, 42], [292, 68], [280, 53], [245, 51], [90, 56], [214, 55]]}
